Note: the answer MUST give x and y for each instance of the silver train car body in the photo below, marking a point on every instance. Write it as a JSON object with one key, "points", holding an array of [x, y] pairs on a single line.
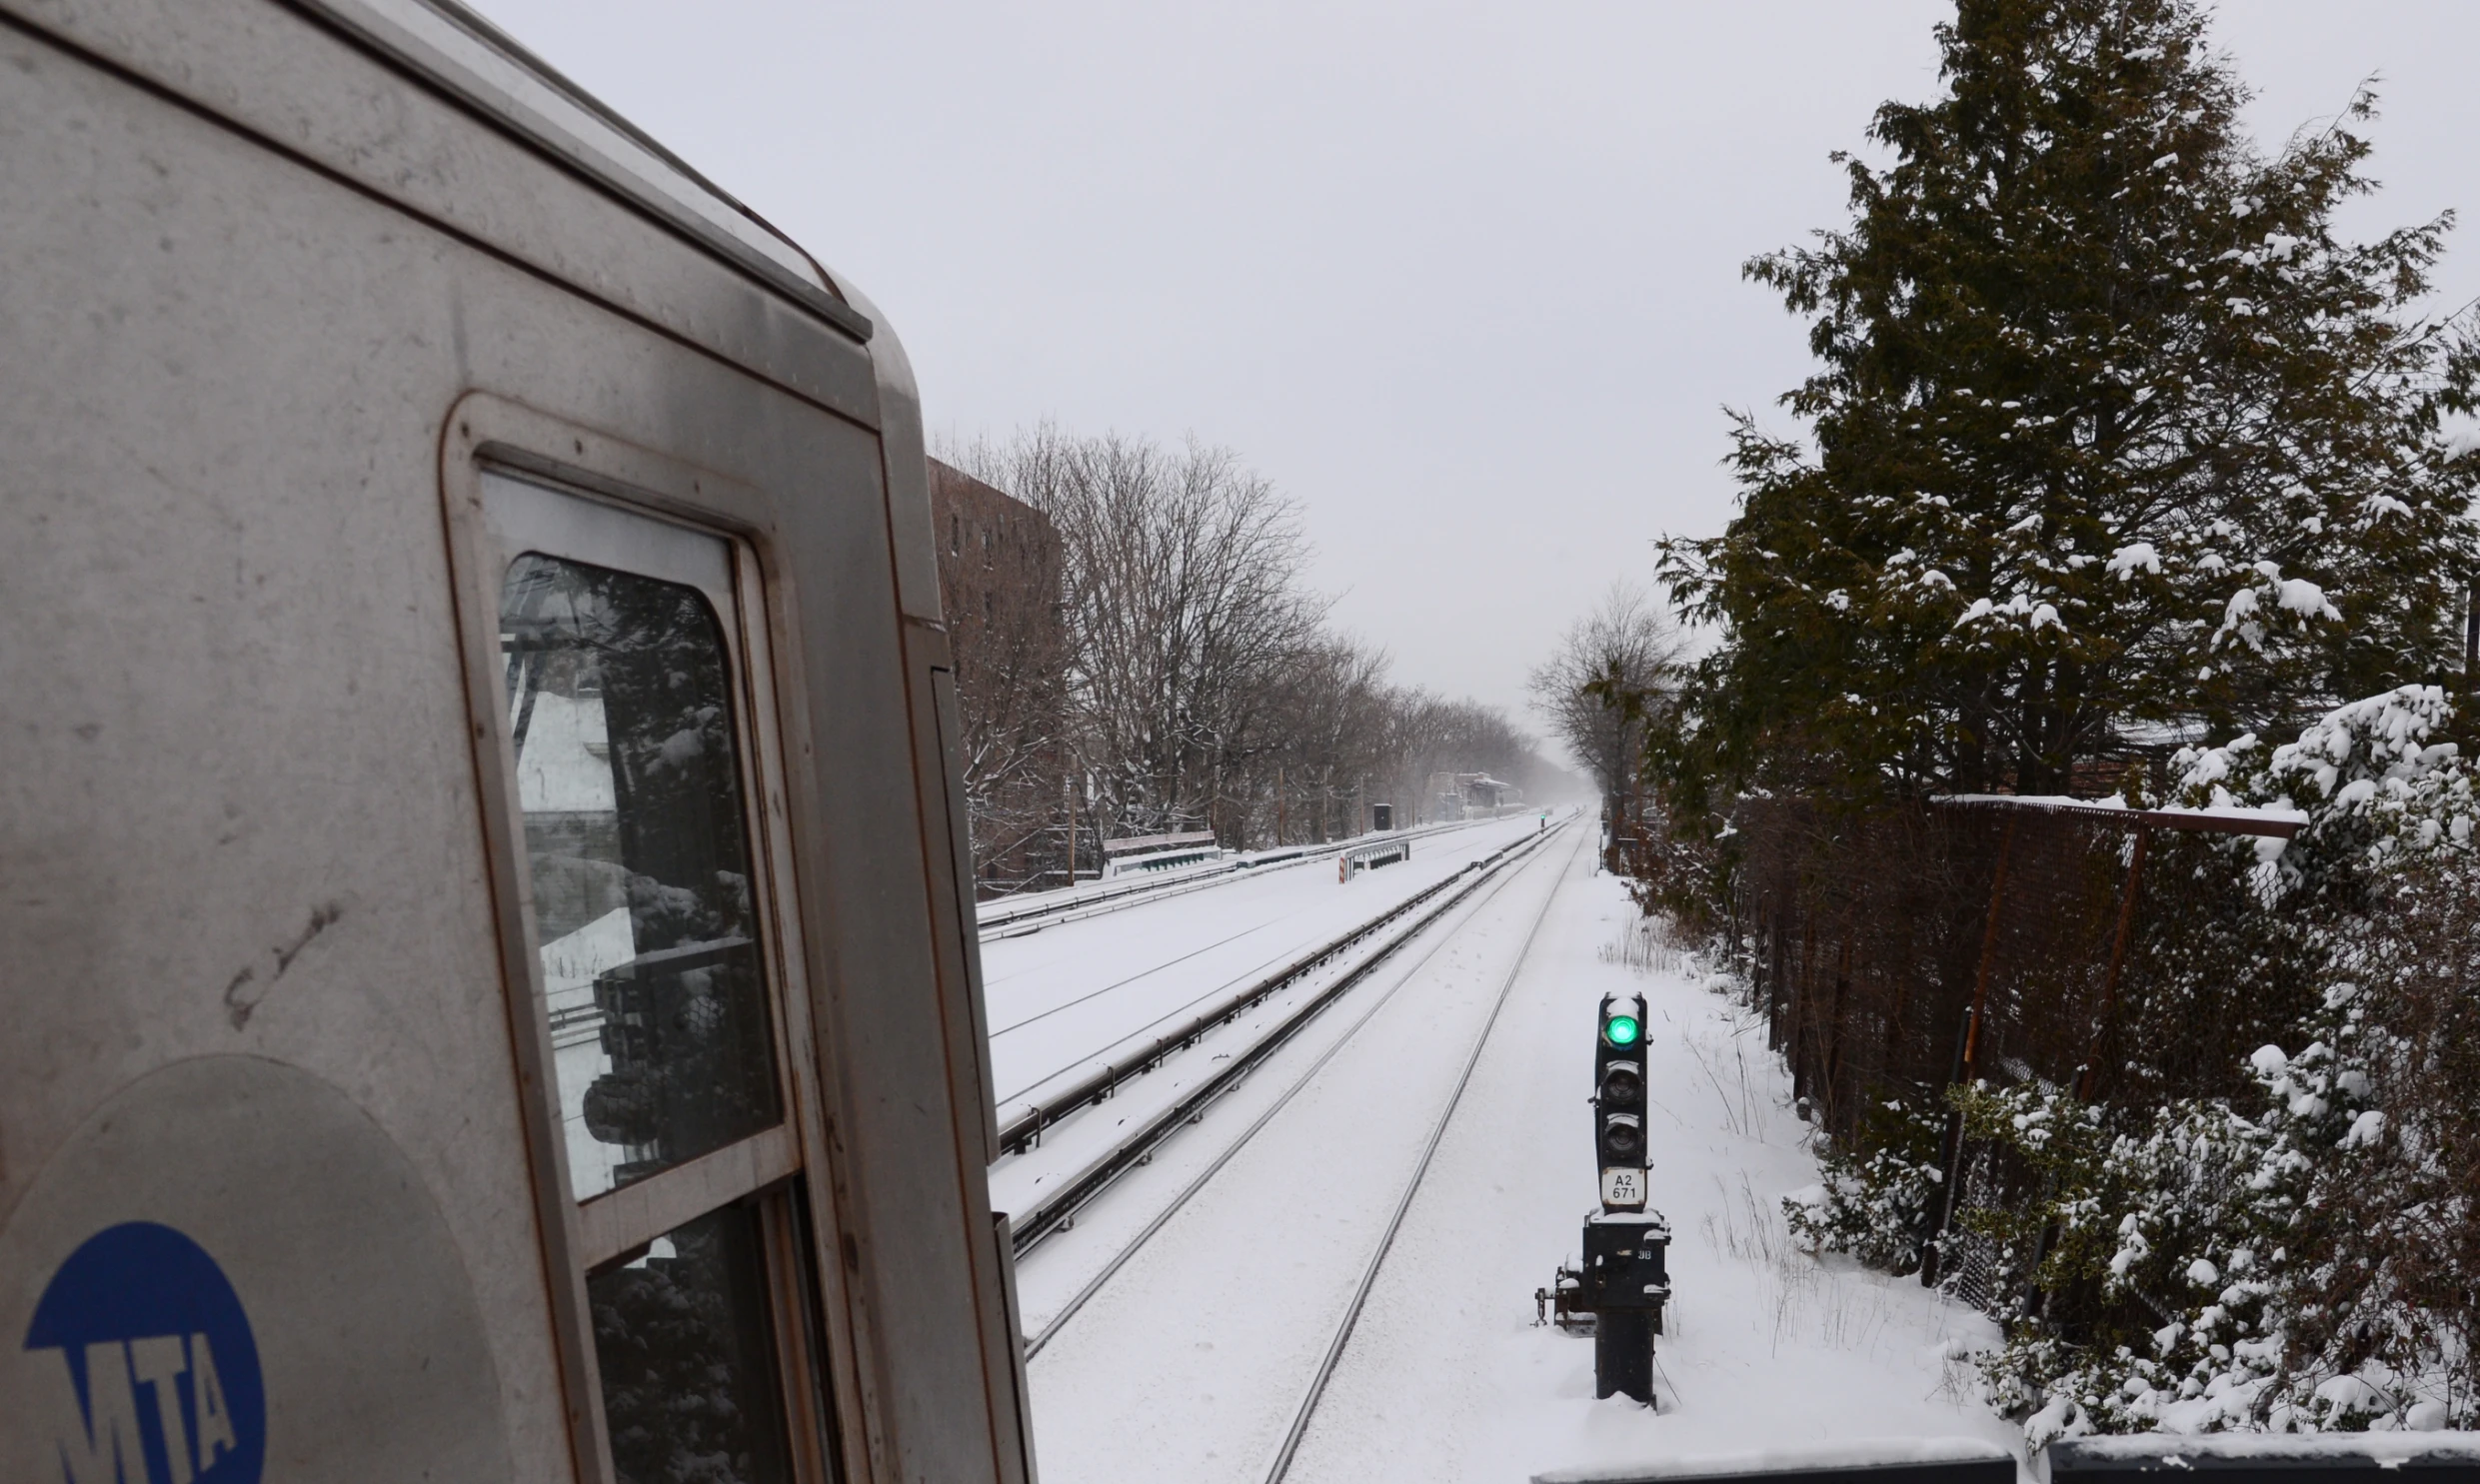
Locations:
{"points": [[487, 985]]}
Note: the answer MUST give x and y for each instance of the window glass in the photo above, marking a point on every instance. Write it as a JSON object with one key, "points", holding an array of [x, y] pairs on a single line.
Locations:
{"points": [[620, 704], [687, 1354]]}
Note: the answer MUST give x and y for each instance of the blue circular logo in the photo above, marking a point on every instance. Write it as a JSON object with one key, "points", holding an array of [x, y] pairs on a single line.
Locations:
{"points": [[152, 1374]]}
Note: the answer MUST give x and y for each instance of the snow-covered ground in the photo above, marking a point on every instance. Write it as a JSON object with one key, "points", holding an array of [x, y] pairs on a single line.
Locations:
{"points": [[1191, 1362]]}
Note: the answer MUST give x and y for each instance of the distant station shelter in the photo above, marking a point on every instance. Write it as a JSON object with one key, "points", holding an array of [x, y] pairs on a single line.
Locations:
{"points": [[1471, 796], [1140, 853]]}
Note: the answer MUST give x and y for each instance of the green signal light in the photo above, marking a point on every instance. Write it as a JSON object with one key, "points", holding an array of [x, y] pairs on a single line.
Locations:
{"points": [[1621, 1030]]}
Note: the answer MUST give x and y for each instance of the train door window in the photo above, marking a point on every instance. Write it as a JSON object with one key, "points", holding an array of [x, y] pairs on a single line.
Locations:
{"points": [[683, 1339], [619, 641], [622, 715]]}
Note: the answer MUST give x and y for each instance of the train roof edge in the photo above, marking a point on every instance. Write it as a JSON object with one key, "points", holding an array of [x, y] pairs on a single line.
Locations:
{"points": [[456, 48]]}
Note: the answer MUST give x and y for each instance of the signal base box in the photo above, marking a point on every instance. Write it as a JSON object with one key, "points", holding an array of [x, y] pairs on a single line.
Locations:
{"points": [[1626, 1262]]}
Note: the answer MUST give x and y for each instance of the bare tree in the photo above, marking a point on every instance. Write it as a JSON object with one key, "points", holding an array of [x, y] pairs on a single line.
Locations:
{"points": [[1427, 736], [1329, 715], [1626, 648], [1184, 607], [1192, 677]]}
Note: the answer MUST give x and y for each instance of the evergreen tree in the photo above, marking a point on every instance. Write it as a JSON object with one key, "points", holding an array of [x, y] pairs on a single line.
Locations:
{"points": [[2112, 439]]}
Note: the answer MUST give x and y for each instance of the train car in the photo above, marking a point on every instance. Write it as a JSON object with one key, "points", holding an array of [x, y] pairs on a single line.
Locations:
{"points": [[485, 924]]}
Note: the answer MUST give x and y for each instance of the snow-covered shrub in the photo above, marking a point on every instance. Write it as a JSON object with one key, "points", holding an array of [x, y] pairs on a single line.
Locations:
{"points": [[2153, 1254], [2234, 1271], [2302, 1254], [1876, 1200]]}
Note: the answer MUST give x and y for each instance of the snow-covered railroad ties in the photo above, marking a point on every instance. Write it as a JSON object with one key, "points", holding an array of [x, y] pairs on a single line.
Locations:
{"points": [[1454, 924], [1067, 1049]]}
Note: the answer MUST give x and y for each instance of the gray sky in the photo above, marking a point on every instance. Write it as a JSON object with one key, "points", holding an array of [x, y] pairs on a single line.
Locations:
{"points": [[1462, 280]]}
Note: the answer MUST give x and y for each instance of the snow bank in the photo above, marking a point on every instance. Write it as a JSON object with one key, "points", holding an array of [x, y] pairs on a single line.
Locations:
{"points": [[2224, 1450]]}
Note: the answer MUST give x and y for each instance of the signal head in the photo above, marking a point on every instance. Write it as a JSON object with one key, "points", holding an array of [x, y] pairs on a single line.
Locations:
{"points": [[1623, 1020], [1622, 1084]]}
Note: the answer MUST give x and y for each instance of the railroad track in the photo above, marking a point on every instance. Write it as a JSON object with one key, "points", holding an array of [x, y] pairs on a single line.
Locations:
{"points": [[1028, 1113], [1366, 947], [1403, 1205], [1140, 1144]]}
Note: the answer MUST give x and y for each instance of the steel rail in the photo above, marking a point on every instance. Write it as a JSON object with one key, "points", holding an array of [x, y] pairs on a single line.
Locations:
{"points": [[1093, 1285], [1054, 1211], [1024, 1130], [1403, 1206]]}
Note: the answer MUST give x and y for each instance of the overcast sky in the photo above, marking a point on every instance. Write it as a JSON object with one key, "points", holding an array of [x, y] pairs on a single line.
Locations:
{"points": [[1462, 280]]}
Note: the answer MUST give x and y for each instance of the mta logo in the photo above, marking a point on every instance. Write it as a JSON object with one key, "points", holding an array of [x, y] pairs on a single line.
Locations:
{"points": [[141, 1347]]}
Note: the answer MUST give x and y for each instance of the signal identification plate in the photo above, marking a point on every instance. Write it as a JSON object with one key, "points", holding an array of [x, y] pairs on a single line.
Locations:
{"points": [[1623, 1187]]}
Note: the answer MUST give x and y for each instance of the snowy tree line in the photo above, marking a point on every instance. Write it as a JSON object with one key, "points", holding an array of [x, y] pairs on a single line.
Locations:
{"points": [[2119, 468], [1190, 679]]}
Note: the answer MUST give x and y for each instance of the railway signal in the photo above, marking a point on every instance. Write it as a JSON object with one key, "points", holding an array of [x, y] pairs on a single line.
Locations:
{"points": [[1618, 1103], [1624, 1281]]}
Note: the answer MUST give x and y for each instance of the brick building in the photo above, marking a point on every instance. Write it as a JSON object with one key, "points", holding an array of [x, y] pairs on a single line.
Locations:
{"points": [[998, 583]]}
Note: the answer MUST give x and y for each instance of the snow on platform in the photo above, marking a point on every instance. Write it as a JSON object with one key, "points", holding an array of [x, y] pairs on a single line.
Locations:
{"points": [[1814, 1458]]}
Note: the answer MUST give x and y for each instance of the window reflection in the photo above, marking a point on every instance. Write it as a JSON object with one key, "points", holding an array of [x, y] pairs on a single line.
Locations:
{"points": [[619, 703], [681, 1337]]}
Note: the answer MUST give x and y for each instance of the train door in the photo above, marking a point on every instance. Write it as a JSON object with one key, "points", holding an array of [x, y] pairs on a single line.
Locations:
{"points": [[486, 1007], [657, 996]]}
